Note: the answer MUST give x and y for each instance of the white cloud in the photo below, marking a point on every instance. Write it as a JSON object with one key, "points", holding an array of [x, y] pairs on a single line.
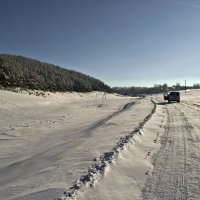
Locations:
{"points": [[181, 3]]}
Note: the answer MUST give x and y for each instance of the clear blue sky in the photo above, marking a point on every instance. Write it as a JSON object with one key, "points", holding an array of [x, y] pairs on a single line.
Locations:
{"points": [[121, 42]]}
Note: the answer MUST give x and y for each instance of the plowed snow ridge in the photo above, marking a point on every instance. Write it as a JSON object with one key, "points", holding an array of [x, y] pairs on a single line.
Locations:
{"points": [[87, 180]]}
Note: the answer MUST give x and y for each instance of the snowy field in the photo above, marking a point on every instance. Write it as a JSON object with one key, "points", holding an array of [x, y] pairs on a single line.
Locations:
{"points": [[71, 142]]}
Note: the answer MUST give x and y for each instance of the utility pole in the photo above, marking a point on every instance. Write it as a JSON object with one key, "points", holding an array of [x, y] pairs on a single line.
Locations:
{"points": [[185, 85]]}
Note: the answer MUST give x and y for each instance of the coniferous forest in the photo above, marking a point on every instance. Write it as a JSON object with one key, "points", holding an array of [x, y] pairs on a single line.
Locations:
{"points": [[27, 73], [18, 71]]}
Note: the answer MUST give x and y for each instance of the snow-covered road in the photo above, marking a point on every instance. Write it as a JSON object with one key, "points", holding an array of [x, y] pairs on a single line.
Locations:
{"points": [[176, 173]]}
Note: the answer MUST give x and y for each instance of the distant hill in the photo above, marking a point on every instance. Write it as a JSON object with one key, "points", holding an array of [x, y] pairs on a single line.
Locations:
{"points": [[18, 71]]}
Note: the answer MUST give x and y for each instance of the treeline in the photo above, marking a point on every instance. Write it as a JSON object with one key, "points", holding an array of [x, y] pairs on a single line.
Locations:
{"points": [[18, 71], [156, 89]]}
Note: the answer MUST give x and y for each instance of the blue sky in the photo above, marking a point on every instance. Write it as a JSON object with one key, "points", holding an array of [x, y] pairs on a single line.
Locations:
{"points": [[121, 42]]}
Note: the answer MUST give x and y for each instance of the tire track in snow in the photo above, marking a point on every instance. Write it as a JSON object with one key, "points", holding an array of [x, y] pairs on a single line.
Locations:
{"points": [[37, 160], [104, 120], [48, 154], [98, 169], [193, 105], [176, 174]]}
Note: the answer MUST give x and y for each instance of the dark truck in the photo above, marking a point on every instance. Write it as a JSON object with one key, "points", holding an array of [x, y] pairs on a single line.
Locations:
{"points": [[172, 96]]}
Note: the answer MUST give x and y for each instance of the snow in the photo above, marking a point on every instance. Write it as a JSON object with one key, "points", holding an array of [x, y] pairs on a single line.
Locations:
{"points": [[97, 146], [47, 143]]}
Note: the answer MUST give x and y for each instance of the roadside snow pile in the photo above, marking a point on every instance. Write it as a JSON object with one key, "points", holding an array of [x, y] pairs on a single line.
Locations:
{"points": [[103, 162], [52, 141]]}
